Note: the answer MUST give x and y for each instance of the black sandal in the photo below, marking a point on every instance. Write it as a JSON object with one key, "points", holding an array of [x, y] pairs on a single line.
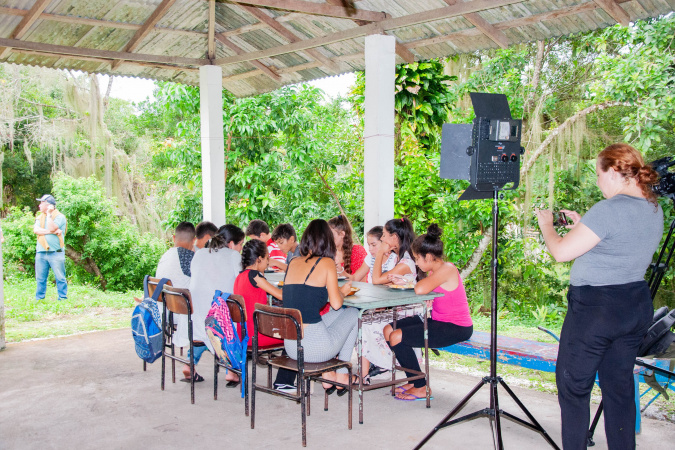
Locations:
{"points": [[197, 378]]}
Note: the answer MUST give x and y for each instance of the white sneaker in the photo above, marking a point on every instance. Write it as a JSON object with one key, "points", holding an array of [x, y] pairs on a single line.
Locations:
{"points": [[286, 388]]}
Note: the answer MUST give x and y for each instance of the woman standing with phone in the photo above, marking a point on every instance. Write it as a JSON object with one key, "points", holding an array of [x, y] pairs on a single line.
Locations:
{"points": [[609, 302]]}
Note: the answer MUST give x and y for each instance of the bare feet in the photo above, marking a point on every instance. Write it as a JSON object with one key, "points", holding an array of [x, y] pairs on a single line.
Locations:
{"points": [[231, 376], [413, 393], [332, 376], [403, 388]]}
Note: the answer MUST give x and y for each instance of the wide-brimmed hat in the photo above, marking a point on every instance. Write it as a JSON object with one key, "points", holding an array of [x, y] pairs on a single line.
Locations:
{"points": [[47, 198]]}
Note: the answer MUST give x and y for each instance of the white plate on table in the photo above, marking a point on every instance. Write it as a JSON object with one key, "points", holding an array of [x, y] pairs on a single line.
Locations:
{"points": [[401, 288]]}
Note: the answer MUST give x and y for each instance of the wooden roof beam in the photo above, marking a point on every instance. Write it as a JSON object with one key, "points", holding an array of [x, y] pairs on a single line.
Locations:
{"points": [[97, 22], [58, 50], [257, 64], [289, 36], [146, 28], [401, 50], [615, 11], [105, 61], [497, 36], [404, 53], [373, 28], [28, 20], [320, 9]]}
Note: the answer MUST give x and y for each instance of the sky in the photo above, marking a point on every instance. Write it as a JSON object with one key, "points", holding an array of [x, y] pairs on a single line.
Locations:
{"points": [[137, 89]]}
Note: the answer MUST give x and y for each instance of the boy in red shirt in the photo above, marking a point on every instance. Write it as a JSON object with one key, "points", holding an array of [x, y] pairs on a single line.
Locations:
{"points": [[258, 229]]}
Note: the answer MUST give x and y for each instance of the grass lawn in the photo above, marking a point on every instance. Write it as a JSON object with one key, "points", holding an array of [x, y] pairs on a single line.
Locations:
{"points": [[86, 309]]}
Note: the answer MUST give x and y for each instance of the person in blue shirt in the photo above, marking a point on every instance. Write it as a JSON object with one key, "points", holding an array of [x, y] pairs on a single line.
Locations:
{"points": [[50, 228]]}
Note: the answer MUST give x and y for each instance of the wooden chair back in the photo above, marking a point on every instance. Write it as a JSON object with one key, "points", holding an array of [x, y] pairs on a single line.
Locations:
{"points": [[280, 323], [178, 301], [237, 307], [152, 285]]}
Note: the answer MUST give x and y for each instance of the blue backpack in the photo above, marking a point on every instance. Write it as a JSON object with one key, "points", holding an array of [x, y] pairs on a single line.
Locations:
{"points": [[146, 325], [224, 337]]}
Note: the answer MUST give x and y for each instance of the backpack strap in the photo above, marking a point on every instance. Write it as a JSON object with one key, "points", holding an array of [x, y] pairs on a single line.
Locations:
{"points": [[159, 288]]}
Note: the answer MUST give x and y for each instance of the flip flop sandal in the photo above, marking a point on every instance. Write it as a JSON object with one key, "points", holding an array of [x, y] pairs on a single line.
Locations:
{"points": [[400, 390], [413, 399], [197, 378], [232, 384]]}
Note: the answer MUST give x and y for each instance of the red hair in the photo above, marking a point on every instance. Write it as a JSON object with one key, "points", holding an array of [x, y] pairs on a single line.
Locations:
{"points": [[628, 162]]}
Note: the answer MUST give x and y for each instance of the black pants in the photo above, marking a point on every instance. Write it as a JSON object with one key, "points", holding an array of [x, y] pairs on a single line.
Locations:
{"points": [[441, 334], [601, 333]]}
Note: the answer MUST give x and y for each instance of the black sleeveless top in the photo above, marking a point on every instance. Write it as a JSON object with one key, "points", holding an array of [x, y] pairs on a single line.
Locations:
{"points": [[307, 299]]}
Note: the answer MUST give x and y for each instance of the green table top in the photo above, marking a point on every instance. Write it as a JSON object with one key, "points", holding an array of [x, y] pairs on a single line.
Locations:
{"points": [[371, 296]]}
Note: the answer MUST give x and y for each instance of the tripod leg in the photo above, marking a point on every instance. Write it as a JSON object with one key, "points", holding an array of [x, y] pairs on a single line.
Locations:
{"points": [[596, 419], [495, 406], [455, 410], [536, 424]]}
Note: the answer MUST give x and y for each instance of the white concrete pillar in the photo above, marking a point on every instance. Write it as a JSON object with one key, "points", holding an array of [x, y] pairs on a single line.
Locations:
{"points": [[213, 143], [379, 130]]}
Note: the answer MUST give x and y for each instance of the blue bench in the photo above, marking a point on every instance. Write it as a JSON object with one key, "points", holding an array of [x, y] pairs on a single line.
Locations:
{"points": [[529, 354]]}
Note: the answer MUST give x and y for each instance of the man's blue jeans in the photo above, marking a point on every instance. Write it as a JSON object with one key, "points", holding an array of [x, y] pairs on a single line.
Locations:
{"points": [[57, 261]]}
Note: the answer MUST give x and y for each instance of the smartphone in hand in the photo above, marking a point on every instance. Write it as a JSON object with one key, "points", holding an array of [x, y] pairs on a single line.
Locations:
{"points": [[559, 219]]}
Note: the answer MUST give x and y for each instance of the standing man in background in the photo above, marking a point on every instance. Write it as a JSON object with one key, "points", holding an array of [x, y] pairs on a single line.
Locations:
{"points": [[50, 251]]}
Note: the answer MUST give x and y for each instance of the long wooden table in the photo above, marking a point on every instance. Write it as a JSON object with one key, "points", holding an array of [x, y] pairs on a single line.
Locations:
{"points": [[371, 298]]}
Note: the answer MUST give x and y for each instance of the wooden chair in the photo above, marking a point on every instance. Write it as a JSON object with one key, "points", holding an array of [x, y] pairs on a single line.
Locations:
{"points": [[285, 323], [237, 307], [149, 286], [178, 301]]}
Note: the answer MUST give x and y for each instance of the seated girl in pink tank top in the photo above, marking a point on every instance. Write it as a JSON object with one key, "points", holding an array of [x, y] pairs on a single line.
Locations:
{"points": [[450, 321]]}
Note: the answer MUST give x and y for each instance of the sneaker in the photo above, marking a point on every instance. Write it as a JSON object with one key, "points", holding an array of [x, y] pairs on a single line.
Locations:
{"points": [[286, 388]]}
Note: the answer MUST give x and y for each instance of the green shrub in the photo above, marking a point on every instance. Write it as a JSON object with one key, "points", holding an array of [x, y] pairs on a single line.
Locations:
{"points": [[105, 249], [18, 251]]}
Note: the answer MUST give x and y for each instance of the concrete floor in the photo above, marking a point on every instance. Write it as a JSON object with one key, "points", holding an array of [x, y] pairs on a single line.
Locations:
{"points": [[89, 391]]}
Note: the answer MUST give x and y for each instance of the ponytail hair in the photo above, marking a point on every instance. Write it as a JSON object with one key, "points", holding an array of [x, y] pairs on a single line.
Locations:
{"points": [[226, 234], [628, 162], [404, 230], [340, 223], [429, 243], [252, 250]]}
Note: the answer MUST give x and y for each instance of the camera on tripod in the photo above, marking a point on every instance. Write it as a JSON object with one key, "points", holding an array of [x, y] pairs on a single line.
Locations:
{"points": [[666, 185]]}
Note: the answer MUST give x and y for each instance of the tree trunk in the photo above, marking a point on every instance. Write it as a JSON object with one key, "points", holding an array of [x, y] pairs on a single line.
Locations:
{"points": [[477, 254], [342, 211], [87, 263]]}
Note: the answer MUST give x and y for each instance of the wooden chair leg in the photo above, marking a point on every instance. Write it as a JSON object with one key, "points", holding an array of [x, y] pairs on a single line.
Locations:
{"points": [[246, 390], [253, 397], [308, 394], [303, 406], [349, 406], [192, 374], [325, 400], [163, 367], [215, 379], [173, 364]]}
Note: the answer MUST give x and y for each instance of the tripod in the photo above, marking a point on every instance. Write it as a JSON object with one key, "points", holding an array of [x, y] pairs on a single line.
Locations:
{"points": [[658, 270], [493, 412]]}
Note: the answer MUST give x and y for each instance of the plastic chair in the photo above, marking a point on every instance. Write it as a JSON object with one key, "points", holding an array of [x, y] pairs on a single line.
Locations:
{"points": [[178, 301], [285, 323]]}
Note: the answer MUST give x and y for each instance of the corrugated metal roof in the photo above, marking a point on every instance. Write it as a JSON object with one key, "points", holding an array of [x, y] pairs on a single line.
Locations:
{"points": [[88, 34]]}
